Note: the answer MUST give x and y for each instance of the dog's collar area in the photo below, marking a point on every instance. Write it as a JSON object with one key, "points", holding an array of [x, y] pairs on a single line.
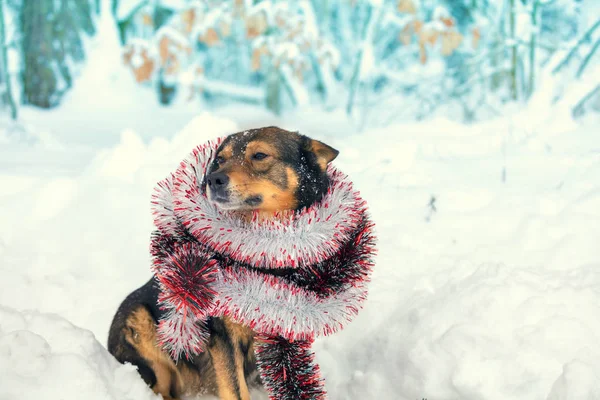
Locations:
{"points": [[302, 238]]}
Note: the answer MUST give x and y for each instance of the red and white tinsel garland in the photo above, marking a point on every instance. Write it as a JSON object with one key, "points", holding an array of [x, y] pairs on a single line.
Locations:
{"points": [[210, 263]]}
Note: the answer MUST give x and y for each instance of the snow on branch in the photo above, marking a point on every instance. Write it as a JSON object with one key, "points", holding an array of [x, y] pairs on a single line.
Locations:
{"points": [[306, 52]]}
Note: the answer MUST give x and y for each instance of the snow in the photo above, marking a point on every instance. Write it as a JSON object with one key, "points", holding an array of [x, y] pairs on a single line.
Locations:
{"points": [[310, 27], [126, 7], [328, 50], [297, 91], [173, 34], [367, 61], [43, 356], [494, 295], [440, 12], [569, 387], [286, 51], [264, 6], [230, 89]]}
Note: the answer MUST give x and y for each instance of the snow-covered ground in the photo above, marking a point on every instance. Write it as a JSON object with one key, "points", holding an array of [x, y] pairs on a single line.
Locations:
{"points": [[494, 295]]}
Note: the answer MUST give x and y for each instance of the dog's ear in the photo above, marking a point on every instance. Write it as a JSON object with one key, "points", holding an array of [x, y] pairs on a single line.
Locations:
{"points": [[324, 153]]}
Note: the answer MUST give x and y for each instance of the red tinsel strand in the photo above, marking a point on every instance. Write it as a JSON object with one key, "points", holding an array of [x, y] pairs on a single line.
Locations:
{"points": [[288, 370], [185, 277], [351, 266], [161, 247]]}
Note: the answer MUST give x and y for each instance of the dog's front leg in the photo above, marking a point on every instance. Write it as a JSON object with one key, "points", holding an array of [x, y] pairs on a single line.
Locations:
{"points": [[228, 360]]}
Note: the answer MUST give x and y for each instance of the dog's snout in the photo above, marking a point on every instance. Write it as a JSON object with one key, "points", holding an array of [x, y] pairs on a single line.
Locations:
{"points": [[217, 180]]}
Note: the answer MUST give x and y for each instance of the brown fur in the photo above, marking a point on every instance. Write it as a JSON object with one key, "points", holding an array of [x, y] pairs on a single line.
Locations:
{"points": [[142, 335], [271, 179], [227, 152], [224, 366], [226, 373], [324, 153]]}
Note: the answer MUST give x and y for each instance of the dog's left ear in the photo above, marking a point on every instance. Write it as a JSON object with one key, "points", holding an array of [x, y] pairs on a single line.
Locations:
{"points": [[324, 153]]}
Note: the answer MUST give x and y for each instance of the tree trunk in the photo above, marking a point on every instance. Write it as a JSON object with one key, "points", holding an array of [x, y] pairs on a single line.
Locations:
{"points": [[496, 59], [273, 97], [532, 49], [39, 81], [4, 66], [371, 22], [584, 38], [579, 108], [587, 58], [513, 50]]}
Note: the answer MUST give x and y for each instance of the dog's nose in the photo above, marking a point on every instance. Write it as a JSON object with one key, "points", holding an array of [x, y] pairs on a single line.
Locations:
{"points": [[217, 180]]}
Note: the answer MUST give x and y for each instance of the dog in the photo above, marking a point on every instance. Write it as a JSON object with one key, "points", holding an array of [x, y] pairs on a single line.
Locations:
{"points": [[266, 172]]}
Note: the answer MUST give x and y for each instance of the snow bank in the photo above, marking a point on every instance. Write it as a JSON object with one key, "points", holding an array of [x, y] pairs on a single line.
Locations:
{"points": [[43, 356], [579, 381], [489, 332], [492, 295]]}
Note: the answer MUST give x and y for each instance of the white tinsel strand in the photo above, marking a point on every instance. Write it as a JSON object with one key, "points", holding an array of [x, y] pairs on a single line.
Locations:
{"points": [[162, 207], [269, 305], [182, 333], [310, 236]]}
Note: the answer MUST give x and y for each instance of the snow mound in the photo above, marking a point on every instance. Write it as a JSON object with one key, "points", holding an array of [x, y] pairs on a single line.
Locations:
{"points": [[497, 332], [492, 295], [579, 381], [43, 356]]}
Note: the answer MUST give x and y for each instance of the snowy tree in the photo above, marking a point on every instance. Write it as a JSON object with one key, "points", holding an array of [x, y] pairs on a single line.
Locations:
{"points": [[576, 63], [232, 49], [417, 56], [51, 46], [490, 52], [411, 50], [289, 51], [8, 96]]}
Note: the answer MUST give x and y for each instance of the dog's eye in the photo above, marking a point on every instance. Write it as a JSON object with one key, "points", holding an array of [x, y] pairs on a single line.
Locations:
{"points": [[219, 160], [259, 156]]}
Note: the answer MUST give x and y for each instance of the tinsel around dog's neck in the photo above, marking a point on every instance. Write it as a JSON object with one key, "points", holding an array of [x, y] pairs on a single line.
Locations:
{"points": [[290, 279], [289, 240]]}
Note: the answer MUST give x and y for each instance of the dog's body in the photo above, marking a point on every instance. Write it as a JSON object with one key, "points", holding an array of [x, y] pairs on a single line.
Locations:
{"points": [[227, 369], [268, 170]]}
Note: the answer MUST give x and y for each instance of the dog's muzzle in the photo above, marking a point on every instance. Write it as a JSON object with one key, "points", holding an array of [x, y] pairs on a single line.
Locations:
{"points": [[218, 183]]}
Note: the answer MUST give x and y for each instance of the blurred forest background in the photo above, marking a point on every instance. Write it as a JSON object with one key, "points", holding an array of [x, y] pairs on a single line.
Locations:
{"points": [[379, 61]]}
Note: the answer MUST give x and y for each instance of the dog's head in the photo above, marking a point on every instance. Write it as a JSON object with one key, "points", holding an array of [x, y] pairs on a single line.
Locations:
{"points": [[269, 169]]}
